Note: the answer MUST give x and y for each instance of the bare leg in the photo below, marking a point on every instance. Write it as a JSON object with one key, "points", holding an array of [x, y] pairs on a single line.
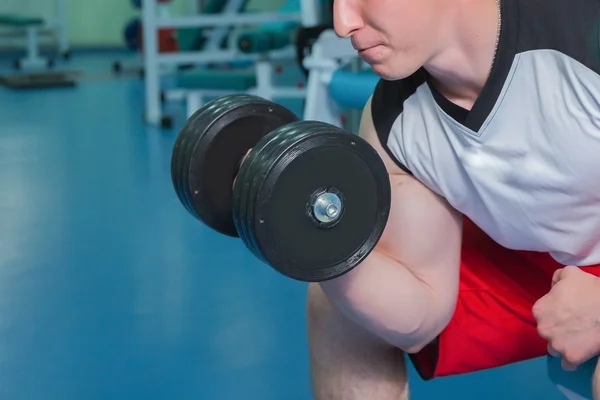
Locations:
{"points": [[346, 361]]}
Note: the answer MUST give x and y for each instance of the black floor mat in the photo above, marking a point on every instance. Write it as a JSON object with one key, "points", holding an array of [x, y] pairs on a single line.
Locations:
{"points": [[38, 80]]}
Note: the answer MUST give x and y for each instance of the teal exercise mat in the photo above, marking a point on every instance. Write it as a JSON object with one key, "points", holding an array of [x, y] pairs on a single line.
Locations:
{"points": [[579, 381], [238, 80]]}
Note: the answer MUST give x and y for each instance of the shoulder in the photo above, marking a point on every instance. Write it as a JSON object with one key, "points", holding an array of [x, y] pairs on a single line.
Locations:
{"points": [[386, 104], [388, 101], [570, 27]]}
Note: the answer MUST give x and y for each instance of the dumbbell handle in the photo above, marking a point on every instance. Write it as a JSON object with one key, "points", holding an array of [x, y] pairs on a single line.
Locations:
{"points": [[240, 165]]}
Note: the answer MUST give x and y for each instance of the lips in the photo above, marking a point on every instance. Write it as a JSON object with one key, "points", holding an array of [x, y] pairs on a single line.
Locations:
{"points": [[370, 54], [363, 48], [362, 44]]}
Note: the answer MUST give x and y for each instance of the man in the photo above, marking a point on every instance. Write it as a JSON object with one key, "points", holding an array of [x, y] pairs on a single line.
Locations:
{"points": [[488, 119]]}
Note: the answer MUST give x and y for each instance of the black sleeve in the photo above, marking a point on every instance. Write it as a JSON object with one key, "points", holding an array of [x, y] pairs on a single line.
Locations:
{"points": [[386, 106], [571, 27]]}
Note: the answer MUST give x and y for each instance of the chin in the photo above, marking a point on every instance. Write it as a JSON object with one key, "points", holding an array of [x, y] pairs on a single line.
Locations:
{"points": [[392, 72]]}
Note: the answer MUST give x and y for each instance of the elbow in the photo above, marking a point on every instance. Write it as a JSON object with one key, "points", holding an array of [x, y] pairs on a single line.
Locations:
{"points": [[417, 347], [411, 342], [409, 332], [422, 330], [389, 301]]}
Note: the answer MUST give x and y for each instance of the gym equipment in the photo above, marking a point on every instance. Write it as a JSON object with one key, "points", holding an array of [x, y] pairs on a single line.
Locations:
{"points": [[305, 39], [216, 39], [210, 84], [31, 26], [137, 4], [308, 15], [331, 88], [35, 28], [197, 86], [132, 33], [134, 37], [264, 40], [260, 48], [215, 80], [352, 89], [308, 199], [270, 36], [167, 38], [578, 382]]}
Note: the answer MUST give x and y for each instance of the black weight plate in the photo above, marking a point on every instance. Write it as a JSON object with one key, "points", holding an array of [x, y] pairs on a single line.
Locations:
{"points": [[279, 215], [190, 136], [194, 137], [243, 183], [281, 140], [249, 178], [212, 144], [231, 127], [186, 141], [182, 143]]}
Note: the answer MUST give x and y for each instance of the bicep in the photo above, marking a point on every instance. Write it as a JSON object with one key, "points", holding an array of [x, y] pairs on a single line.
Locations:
{"points": [[405, 291], [423, 232]]}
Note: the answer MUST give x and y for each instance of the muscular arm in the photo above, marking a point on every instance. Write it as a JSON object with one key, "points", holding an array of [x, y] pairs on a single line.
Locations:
{"points": [[405, 291]]}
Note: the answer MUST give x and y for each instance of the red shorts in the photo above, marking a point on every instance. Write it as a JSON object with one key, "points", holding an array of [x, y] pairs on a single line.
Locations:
{"points": [[493, 324]]}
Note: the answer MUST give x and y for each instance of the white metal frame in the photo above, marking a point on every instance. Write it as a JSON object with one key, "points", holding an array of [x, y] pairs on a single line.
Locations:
{"points": [[216, 36], [60, 26], [329, 53], [265, 88], [33, 60], [154, 61], [310, 13]]}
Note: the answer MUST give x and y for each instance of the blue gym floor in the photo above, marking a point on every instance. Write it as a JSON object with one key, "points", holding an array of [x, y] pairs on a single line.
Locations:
{"points": [[110, 290]]}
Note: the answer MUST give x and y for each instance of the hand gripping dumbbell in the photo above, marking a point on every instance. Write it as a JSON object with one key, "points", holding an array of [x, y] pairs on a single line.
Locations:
{"points": [[307, 198]]}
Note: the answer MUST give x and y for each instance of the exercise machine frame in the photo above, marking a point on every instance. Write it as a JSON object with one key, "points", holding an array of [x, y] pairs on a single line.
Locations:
{"points": [[155, 61]]}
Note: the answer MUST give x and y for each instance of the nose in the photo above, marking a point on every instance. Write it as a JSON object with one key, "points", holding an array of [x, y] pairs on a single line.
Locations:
{"points": [[346, 17]]}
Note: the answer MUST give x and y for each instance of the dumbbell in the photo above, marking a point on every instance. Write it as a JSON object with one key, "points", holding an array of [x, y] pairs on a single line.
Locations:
{"points": [[305, 197]]}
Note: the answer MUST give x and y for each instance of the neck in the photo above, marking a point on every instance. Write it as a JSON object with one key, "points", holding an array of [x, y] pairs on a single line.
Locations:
{"points": [[460, 69]]}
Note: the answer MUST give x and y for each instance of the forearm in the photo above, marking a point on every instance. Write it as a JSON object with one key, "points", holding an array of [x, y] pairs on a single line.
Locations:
{"points": [[392, 302]]}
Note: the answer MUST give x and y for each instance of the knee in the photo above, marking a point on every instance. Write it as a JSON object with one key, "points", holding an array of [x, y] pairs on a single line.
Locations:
{"points": [[324, 319], [319, 310], [327, 323]]}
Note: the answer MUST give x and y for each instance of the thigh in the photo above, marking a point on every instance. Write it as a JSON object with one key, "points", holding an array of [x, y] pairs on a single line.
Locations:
{"points": [[493, 324]]}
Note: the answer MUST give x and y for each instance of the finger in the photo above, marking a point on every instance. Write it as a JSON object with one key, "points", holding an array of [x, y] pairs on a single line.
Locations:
{"points": [[567, 366], [570, 270], [539, 310], [557, 276], [552, 351]]}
